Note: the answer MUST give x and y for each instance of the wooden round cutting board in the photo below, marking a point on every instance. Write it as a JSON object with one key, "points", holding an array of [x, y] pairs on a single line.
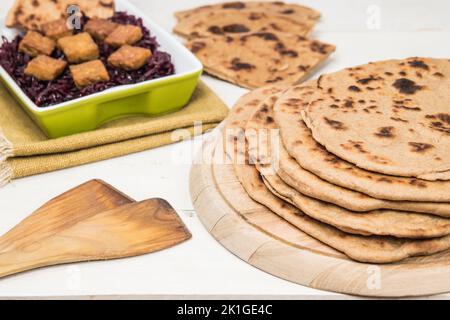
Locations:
{"points": [[261, 238]]}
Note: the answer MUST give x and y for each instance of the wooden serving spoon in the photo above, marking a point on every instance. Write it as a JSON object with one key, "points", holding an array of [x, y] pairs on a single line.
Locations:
{"points": [[91, 222]]}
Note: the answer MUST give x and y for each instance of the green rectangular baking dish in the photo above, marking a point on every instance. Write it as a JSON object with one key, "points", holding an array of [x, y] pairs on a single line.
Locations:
{"points": [[149, 98]]}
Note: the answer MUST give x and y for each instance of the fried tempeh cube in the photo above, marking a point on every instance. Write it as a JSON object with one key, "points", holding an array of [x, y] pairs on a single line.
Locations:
{"points": [[79, 48], [45, 68], [35, 44], [124, 34], [57, 29], [89, 73], [129, 58], [99, 29]]}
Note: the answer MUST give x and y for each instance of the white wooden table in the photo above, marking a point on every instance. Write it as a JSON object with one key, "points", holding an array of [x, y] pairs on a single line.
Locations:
{"points": [[363, 30]]}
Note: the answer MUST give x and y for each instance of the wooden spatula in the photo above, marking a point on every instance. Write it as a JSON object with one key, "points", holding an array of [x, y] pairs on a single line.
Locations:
{"points": [[91, 222], [63, 211]]}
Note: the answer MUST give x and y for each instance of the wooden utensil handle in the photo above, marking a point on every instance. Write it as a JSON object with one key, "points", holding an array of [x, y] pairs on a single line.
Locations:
{"points": [[13, 262], [49, 252]]}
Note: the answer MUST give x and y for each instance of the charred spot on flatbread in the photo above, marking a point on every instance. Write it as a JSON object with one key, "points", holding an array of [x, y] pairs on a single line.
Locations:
{"points": [[197, 46], [269, 120], [354, 88], [385, 132], [288, 11], [235, 28], [268, 36], [293, 102], [358, 145], [418, 183], [406, 86], [264, 108], [215, 30], [420, 147], [439, 122], [277, 79], [238, 65], [399, 119], [349, 104], [304, 68], [289, 53], [445, 117], [418, 64], [234, 5], [367, 80], [319, 47], [337, 125], [255, 16]]}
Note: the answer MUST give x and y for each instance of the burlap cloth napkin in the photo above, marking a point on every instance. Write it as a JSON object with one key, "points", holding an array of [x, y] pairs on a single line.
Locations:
{"points": [[25, 150]]}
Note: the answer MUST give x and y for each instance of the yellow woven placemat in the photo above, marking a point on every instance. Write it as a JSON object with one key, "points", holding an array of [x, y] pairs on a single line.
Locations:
{"points": [[25, 150]]}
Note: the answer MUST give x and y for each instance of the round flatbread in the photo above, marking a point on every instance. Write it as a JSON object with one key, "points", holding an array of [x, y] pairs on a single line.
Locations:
{"points": [[263, 135], [247, 104], [234, 131], [367, 249], [391, 117], [311, 156], [262, 149], [311, 185], [360, 248], [379, 222]]}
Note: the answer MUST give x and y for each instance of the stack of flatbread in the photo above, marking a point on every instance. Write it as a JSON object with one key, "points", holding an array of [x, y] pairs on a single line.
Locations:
{"points": [[31, 15], [358, 159], [256, 43]]}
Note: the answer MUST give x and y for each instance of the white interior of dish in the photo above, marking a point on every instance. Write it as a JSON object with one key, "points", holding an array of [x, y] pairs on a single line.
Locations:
{"points": [[185, 62]]}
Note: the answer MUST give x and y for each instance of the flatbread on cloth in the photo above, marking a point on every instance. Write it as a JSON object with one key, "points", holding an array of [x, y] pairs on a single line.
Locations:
{"points": [[258, 59], [222, 23], [289, 11], [314, 158], [391, 117], [31, 15]]}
